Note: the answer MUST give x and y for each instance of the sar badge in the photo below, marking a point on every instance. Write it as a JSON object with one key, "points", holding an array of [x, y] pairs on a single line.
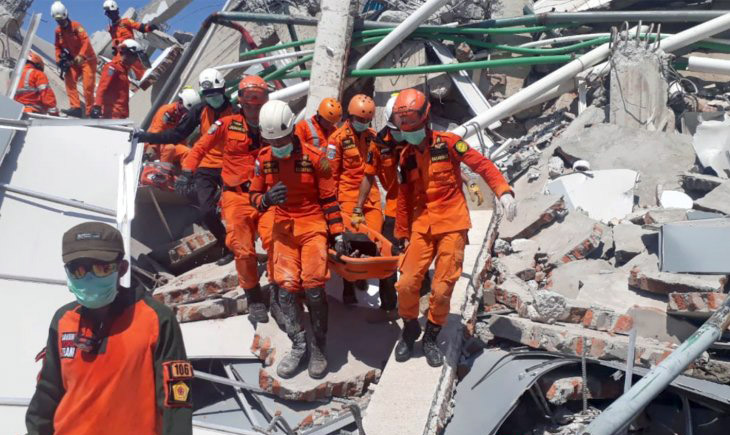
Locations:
{"points": [[177, 376], [461, 147]]}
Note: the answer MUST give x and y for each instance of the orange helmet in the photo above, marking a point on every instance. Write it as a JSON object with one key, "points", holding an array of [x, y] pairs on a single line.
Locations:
{"points": [[411, 109], [331, 110], [361, 105], [36, 60], [253, 90]]}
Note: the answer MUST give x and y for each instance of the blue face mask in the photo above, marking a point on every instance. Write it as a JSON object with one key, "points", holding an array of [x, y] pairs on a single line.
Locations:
{"points": [[282, 152], [360, 126], [414, 137], [93, 292], [216, 100], [397, 135]]}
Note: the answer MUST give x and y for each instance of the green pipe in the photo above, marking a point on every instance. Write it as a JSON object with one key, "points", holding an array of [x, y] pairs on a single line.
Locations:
{"points": [[282, 71], [465, 31], [482, 64]]}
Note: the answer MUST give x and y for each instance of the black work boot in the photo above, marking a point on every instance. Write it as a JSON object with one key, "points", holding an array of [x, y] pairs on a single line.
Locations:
{"points": [[256, 307], [318, 315], [290, 364], [409, 335], [227, 258], [348, 293], [76, 112], [274, 307], [431, 350]]}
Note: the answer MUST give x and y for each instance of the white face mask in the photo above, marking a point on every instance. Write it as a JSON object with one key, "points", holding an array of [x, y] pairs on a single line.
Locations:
{"points": [[215, 101]]}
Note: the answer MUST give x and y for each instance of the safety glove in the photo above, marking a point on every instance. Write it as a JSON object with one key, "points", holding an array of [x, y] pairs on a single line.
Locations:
{"points": [[140, 135], [475, 193], [276, 195], [357, 217], [400, 246], [78, 60], [509, 206], [183, 182], [95, 112], [339, 245]]}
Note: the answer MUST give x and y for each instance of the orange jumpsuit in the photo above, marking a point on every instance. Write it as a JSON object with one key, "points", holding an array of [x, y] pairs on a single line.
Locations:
{"points": [[240, 148], [113, 91], [382, 161], [312, 133], [167, 117], [75, 39], [302, 223], [346, 151], [34, 92], [432, 213], [120, 32]]}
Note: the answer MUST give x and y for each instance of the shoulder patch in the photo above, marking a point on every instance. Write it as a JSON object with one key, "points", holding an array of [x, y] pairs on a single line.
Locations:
{"points": [[331, 151], [177, 376], [324, 165], [110, 71], [271, 167], [166, 118], [461, 147], [236, 126], [303, 165], [214, 127]]}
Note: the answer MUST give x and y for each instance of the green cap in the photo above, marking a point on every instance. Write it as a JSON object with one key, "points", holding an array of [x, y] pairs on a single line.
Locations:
{"points": [[93, 240]]}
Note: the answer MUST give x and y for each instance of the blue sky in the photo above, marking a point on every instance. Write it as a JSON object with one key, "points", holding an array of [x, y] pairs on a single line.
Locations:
{"points": [[91, 15]]}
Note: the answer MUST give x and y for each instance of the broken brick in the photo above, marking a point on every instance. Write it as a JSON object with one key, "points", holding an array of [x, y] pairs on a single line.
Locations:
{"points": [[210, 309], [204, 282]]}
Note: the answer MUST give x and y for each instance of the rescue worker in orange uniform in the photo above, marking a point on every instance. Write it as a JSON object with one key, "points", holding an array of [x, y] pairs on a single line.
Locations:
{"points": [[433, 217], [122, 29], [347, 150], [112, 95], [296, 178], [207, 179], [33, 90], [115, 361], [74, 50], [238, 136], [315, 130], [166, 118]]}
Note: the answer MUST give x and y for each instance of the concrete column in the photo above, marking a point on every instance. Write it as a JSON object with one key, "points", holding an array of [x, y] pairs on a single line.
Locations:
{"points": [[331, 49]]}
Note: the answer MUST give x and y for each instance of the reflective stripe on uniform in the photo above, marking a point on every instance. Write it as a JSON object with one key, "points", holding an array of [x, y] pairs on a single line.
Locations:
{"points": [[26, 83], [315, 137]]}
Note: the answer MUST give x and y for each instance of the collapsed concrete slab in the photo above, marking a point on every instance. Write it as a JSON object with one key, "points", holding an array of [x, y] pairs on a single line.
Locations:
{"points": [[209, 280], [629, 241], [573, 339], [206, 310], [657, 157], [566, 278], [695, 305], [354, 363], [521, 264], [612, 290], [645, 275], [718, 200], [536, 212], [655, 323], [575, 238]]}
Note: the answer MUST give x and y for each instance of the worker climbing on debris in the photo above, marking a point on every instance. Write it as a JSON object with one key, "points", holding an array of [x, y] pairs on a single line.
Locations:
{"points": [[112, 95], [122, 29], [319, 127], [207, 178], [347, 150], [167, 117], [238, 137], [433, 218], [33, 89], [115, 361], [295, 177], [76, 60]]}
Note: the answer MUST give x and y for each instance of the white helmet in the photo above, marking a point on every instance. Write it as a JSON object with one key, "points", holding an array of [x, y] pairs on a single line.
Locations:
{"points": [[276, 120], [59, 11], [389, 111], [210, 78], [132, 46], [111, 6], [189, 97]]}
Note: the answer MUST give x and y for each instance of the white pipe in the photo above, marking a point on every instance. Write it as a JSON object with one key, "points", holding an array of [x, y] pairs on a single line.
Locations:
{"points": [[291, 92], [561, 39], [24, 50], [263, 59], [401, 32], [531, 95], [708, 65]]}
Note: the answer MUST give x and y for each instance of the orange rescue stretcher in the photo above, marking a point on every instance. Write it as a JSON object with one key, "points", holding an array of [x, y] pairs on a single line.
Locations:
{"points": [[380, 267]]}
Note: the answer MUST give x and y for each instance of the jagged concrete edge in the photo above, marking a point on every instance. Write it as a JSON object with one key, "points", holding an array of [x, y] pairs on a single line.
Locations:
{"points": [[441, 406]]}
